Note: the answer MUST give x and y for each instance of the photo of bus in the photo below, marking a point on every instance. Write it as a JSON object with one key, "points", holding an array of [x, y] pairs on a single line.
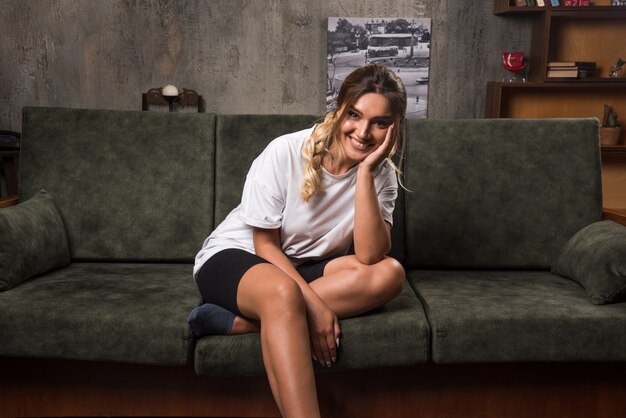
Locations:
{"points": [[387, 45]]}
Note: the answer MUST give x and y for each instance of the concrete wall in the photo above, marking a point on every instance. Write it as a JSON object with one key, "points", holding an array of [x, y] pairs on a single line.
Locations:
{"points": [[243, 56]]}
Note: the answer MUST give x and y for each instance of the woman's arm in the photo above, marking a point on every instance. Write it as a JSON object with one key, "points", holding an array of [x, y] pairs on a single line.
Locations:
{"points": [[372, 234], [323, 323]]}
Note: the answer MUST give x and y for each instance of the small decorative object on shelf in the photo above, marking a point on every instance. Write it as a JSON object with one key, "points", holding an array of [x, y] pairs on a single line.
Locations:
{"points": [[170, 96], [554, 3], [169, 91], [520, 3], [618, 2], [611, 129], [617, 70], [515, 63]]}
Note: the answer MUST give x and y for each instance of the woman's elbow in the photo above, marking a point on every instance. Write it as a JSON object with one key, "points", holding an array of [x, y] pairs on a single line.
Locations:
{"points": [[371, 257], [368, 260]]}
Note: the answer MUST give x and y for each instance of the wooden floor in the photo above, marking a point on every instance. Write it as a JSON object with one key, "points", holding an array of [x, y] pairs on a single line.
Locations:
{"points": [[69, 388]]}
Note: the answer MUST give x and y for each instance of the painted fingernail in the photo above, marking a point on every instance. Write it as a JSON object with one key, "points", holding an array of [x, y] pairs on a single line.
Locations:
{"points": [[334, 359], [314, 357], [337, 342], [328, 364]]}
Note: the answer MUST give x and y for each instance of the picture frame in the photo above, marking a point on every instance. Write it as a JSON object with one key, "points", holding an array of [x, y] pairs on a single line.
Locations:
{"points": [[401, 44]]}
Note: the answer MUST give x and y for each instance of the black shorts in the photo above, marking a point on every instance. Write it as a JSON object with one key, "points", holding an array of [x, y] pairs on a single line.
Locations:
{"points": [[219, 277]]}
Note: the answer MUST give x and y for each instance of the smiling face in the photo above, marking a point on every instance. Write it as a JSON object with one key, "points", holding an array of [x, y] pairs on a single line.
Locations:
{"points": [[364, 127]]}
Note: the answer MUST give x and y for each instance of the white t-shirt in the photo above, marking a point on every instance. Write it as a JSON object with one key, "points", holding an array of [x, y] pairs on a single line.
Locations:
{"points": [[319, 229]]}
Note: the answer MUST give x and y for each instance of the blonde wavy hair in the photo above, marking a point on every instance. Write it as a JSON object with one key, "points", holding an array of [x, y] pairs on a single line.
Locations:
{"points": [[371, 78]]}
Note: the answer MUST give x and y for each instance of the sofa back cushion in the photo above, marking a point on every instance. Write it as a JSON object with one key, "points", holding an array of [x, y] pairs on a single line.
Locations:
{"points": [[239, 139], [129, 185], [499, 193]]}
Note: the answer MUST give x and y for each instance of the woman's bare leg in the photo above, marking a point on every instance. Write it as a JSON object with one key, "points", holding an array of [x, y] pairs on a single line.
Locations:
{"points": [[267, 294], [349, 287], [243, 325]]}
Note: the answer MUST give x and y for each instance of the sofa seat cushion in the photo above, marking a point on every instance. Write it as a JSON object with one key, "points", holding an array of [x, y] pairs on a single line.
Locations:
{"points": [[133, 313], [394, 335], [513, 316]]}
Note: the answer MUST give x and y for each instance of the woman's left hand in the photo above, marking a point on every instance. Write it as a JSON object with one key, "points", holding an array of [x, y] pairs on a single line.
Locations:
{"points": [[379, 154]]}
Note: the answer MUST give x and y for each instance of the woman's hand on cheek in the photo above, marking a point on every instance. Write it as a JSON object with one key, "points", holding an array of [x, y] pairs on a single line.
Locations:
{"points": [[379, 154]]}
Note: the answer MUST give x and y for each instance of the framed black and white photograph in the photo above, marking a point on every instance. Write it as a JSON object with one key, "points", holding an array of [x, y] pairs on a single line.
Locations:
{"points": [[402, 44]]}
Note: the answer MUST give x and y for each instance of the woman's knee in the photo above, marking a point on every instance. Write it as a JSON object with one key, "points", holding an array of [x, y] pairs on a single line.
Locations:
{"points": [[271, 291], [386, 277], [285, 294], [396, 273]]}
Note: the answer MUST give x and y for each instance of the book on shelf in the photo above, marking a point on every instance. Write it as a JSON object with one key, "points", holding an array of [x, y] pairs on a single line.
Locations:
{"points": [[570, 73], [554, 3], [531, 3], [576, 3], [582, 65], [541, 3], [520, 3], [571, 69]]}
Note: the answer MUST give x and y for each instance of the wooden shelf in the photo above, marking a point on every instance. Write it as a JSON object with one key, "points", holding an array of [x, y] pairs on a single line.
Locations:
{"points": [[514, 10], [554, 99], [507, 7], [613, 149], [561, 10], [579, 36], [587, 80], [575, 84], [616, 215]]}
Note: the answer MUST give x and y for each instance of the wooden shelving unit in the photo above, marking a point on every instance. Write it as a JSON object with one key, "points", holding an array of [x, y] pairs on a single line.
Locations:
{"points": [[594, 33], [505, 7], [554, 99]]}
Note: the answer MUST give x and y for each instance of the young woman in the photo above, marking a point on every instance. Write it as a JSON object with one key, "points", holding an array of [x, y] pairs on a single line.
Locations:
{"points": [[278, 263]]}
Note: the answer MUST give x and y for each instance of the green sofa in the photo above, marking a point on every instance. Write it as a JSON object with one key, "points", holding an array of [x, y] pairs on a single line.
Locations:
{"points": [[489, 207]]}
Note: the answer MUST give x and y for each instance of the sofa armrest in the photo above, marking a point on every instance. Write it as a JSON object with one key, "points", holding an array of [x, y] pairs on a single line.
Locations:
{"points": [[615, 215], [8, 201]]}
